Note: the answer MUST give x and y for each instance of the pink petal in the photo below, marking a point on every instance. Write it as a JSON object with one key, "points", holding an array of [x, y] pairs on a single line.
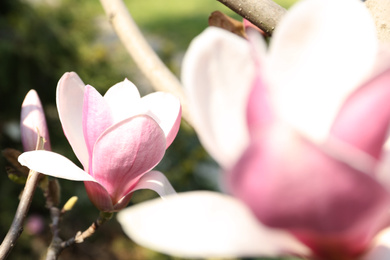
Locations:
{"points": [[203, 224], [99, 196], [32, 122], [291, 184], [259, 112], [218, 72], [124, 152], [123, 99], [122, 202], [70, 96], [364, 119], [166, 110], [248, 26], [96, 116], [310, 72]]}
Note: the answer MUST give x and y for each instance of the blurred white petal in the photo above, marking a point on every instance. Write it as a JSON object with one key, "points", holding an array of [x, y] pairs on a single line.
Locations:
{"points": [[381, 248], [318, 56], [203, 224], [218, 72]]}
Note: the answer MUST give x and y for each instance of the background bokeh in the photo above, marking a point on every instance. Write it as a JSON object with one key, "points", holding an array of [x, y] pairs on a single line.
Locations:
{"points": [[40, 40]]}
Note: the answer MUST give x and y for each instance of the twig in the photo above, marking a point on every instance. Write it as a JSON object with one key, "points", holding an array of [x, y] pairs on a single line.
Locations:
{"points": [[55, 248], [265, 14], [147, 60], [58, 245], [16, 228]]}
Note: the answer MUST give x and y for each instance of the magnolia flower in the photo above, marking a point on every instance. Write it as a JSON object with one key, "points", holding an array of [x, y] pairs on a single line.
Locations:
{"points": [[33, 122], [118, 138], [300, 131]]}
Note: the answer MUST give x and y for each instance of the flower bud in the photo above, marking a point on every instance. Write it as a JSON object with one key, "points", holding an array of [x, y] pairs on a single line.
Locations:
{"points": [[33, 122]]}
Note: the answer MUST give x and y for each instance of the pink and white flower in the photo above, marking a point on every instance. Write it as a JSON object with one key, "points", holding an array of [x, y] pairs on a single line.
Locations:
{"points": [[300, 129], [118, 138]]}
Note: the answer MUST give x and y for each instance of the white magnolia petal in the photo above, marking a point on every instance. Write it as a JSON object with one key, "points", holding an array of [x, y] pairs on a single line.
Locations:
{"points": [[53, 164], [317, 58], [70, 99], [381, 248], [155, 180], [165, 109], [123, 99], [218, 72], [202, 224]]}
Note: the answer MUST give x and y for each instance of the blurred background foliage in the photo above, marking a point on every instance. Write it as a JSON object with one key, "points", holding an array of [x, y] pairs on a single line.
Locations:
{"points": [[40, 40]]}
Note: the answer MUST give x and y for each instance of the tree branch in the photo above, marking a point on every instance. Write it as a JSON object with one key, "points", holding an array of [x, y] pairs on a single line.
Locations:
{"points": [[265, 14], [16, 228], [144, 56], [58, 245]]}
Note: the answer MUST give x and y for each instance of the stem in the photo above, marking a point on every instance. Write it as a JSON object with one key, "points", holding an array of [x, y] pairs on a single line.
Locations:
{"points": [[265, 14], [161, 78], [54, 249], [16, 228], [58, 245]]}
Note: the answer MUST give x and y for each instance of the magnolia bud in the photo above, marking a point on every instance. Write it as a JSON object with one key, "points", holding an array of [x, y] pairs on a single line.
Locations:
{"points": [[33, 122]]}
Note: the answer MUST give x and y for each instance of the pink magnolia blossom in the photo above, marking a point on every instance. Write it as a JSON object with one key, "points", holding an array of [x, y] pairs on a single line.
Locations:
{"points": [[300, 129], [118, 138], [33, 122]]}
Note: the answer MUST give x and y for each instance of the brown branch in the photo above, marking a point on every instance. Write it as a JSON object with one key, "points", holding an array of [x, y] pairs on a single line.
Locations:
{"points": [[58, 245], [55, 248], [16, 228], [265, 14], [161, 78]]}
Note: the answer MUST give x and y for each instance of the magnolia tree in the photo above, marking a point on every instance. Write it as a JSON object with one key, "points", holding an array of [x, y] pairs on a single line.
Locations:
{"points": [[297, 121]]}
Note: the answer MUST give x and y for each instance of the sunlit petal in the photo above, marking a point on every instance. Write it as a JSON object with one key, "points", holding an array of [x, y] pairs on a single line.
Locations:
{"points": [[53, 164], [218, 73], [70, 96], [155, 180], [123, 99], [125, 151], [317, 58], [166, 110], [201, 225], [96, 116]]}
